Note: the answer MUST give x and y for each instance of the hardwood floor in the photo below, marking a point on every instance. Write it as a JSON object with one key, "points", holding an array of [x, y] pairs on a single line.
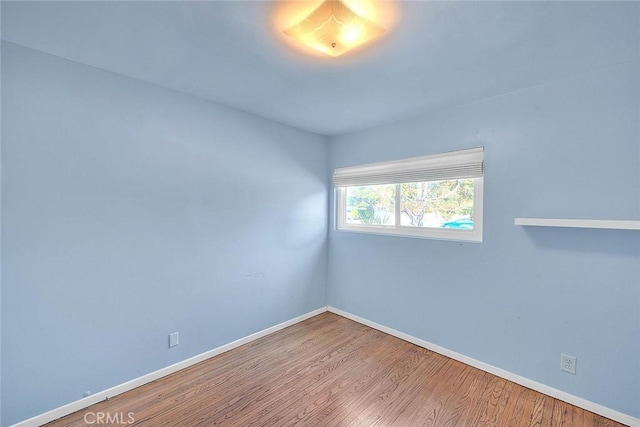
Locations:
{"points": [[331, 371]]}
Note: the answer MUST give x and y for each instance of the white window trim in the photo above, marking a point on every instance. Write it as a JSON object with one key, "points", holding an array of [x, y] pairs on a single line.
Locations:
{"points": [[474, 235]]}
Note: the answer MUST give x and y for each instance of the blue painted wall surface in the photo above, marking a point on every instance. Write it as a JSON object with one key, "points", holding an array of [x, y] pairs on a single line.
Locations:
{"points": [[130, 212], [566, 149], [0, 222]]}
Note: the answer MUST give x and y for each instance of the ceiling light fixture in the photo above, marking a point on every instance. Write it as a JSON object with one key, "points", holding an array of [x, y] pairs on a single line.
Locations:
{"points": [[334, 28]]}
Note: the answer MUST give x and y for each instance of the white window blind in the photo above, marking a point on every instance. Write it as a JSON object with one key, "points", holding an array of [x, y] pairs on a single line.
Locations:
{"points": [[439, 167]]}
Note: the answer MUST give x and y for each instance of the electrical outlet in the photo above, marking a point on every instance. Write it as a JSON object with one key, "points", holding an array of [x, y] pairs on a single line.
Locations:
{"points": [[173, 339], [568, 364]]}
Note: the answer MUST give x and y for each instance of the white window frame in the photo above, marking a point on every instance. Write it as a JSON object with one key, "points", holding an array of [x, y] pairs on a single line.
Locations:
{"points": [[474, 235]]}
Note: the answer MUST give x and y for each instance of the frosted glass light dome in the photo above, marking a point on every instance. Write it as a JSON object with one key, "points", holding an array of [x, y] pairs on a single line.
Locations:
{"points": [[334, 28]]}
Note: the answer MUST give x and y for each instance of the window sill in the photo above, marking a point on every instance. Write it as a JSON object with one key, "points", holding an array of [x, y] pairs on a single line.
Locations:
{"points": [[472, 236]]}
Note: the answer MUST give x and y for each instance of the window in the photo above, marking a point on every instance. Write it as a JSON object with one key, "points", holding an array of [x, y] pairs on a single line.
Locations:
{"points": [[437, 196]]}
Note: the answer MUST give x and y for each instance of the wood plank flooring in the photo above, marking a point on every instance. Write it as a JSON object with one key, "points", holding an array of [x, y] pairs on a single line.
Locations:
{"points": [[331, 371]]}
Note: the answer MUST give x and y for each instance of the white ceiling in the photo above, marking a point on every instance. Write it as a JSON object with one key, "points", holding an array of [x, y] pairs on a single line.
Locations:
{"points": [[439, 54]]}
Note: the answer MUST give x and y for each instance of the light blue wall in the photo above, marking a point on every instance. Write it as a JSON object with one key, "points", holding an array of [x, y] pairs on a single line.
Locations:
{"points": [[566, 149], [129, 212], [0, 221]]}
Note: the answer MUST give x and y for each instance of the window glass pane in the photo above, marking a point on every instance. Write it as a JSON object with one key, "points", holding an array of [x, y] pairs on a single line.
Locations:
{"points": [[371, 204], [437, 204]]}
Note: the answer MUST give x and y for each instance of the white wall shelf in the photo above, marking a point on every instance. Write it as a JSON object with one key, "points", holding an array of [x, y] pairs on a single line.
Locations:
{"points": [[580, 223]]}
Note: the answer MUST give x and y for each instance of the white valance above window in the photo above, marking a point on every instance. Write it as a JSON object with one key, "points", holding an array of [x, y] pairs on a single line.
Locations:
{"points": [[439, 167]]}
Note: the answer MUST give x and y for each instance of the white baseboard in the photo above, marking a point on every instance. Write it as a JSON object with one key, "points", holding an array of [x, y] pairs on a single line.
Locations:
{"points": [[526, 382], [72, 407]]}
